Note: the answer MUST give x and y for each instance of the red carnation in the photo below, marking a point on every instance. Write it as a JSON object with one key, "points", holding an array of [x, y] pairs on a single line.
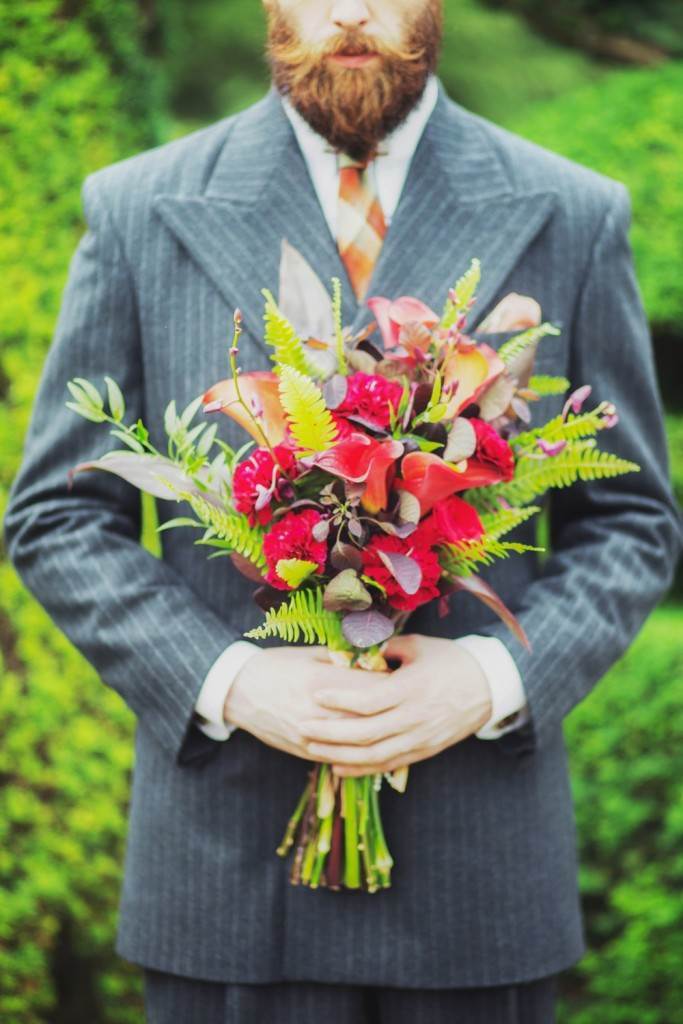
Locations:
{"points": [[452, 520], [368, 395], [492, 450], [292, 537], [374, 567], [259, 480]]}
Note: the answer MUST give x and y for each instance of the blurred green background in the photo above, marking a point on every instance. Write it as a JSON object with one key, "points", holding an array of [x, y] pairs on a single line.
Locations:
{"points": [[86, 82]]}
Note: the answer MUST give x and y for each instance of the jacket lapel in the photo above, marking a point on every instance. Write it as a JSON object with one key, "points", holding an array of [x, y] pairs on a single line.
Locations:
{"points": [[458, 203], [259, 193]]}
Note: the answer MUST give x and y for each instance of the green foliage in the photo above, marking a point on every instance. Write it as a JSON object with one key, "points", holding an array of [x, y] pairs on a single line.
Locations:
{"points": [[468, 556], [463, 294], [497, 524], [302, 617], [626, 753], [288, 346], [534, 475], [571, 428], [629, 30], [76, 94], [641, 144], [229, 531], [543, 384], [310, 420], [514, 347]]}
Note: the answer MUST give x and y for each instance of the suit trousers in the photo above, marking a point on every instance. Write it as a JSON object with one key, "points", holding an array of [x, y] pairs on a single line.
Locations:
{"points": [[170, 999]]}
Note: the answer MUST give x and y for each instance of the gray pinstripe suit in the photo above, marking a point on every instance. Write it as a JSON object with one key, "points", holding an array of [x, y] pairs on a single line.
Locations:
{"points": [[485, 886]]}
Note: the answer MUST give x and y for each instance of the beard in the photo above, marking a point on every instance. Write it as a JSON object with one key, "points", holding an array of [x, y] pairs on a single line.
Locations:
{"points": [[355, 108]]}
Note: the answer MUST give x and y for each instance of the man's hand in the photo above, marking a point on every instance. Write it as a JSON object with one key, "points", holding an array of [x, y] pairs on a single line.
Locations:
{"points": [[438, 696], [273, 694]]}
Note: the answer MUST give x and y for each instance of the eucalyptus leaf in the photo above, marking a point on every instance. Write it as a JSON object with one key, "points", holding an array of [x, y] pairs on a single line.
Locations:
{"points": [[405, 570], [346, 593], [365, 629]]}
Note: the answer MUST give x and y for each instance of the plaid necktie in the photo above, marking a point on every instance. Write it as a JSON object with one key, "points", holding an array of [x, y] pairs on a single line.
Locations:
{"points": [[360, 223]]}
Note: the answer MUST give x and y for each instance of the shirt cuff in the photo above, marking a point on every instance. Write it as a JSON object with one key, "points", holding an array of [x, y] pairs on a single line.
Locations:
{"points": [[509, 707], [216, 686]]}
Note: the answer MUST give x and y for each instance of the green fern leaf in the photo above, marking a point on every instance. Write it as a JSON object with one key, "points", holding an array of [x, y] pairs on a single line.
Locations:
{"points": [[515, 346], [338, 328], [464, 290], [230, 530], [467, 557], [497, 524], [543, 384], [309, 418], [580, 460], [295, 570], [573, 428], [288, 346], [302, 617]]}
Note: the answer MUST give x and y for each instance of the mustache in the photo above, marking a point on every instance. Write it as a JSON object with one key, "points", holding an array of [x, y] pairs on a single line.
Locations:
{"points": [[350, 43]]}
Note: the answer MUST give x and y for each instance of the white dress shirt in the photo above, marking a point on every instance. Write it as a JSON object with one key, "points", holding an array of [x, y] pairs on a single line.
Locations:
{"points": [[390, 168]]}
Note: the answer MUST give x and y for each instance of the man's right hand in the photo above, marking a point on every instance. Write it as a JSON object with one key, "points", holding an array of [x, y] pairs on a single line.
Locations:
{"points": [[274, 693]]}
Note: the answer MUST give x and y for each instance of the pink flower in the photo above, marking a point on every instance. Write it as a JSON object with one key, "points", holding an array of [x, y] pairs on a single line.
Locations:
{"points": [[258, 481], [292, 537], [400, 316], [371, 397]]}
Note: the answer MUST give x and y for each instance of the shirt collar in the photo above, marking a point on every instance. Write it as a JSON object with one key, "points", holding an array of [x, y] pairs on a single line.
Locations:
{"points": [[398, 146]]}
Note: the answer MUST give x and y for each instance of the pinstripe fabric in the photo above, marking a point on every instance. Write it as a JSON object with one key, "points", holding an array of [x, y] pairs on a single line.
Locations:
{"points": [[360, 223], [169, 999], [485, 886]]}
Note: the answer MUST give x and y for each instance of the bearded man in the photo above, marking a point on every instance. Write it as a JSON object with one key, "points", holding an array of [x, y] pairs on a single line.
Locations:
{"points": [[358, 158]]}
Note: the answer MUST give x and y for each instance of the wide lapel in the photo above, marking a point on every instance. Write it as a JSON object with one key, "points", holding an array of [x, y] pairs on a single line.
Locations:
{"points": [[457, 203], [259, 193]]}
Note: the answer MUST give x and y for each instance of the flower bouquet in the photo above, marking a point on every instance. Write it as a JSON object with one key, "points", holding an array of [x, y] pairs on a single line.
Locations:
{"points": [[387, 469]]}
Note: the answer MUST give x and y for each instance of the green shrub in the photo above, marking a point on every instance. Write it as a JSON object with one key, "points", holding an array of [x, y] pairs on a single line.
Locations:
{"points": [[626, 748], [630, 127], [75, 94], [607, 27]]}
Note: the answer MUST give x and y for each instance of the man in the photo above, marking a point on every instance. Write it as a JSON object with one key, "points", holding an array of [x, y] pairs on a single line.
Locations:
{"points": [[358, 158]]}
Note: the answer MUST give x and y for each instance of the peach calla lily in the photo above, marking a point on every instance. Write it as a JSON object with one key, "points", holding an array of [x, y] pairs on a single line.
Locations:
{"points": [[391, 316], [474, 370], [513, 313], [260, 390]]}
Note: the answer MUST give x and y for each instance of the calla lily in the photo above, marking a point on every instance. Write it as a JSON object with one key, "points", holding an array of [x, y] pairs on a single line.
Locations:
{"points": [[362, 459], [431, 479], [260, 391], [473, 371], [513, 313], [392, 316]]}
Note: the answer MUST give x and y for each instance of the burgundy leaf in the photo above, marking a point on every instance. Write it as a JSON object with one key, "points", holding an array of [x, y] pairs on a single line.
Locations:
{"points": [[405, 570], [321, 530], [365, 629], [346, 556], [478, 588], [247, 568], [334, 391]]}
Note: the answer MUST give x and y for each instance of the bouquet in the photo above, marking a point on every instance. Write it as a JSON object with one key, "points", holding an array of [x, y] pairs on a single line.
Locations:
{"points": [[385, 470]]}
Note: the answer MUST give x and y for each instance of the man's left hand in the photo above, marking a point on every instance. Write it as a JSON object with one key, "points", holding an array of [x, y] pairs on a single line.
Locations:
{"points": [[438, 696]]}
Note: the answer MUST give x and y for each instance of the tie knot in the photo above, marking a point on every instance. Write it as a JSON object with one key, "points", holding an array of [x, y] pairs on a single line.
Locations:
{"points": [[346, 162]]}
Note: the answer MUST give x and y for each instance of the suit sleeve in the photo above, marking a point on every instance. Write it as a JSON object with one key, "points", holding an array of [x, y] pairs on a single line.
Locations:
{"points": [[614, 542], [148, 634]]}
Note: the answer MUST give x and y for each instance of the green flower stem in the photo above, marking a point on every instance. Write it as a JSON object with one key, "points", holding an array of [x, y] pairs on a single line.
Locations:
{"points": [[350, 814], [383, 861], [288, 837]]}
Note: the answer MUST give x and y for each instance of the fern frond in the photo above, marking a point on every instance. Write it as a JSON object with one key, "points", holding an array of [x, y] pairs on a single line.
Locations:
{"points": [[309, 418], [302, 617], [514, 347], [467, 557], [497, 524], [543, 384], [580, 460], [338, 329], [288, 346], [231, 529], [573, 428], [464, 290]]}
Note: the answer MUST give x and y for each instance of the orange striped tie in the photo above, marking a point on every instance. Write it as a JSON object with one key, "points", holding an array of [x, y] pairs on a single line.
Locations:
{"points": [[360, 223]]}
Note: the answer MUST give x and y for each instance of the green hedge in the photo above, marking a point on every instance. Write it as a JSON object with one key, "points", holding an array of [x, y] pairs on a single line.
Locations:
{"points": [[75, 94], [630, 127], [626, 744]]}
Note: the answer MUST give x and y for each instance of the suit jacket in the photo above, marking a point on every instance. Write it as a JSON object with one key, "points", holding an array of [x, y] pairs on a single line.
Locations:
{"points": [[485, 886]]}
